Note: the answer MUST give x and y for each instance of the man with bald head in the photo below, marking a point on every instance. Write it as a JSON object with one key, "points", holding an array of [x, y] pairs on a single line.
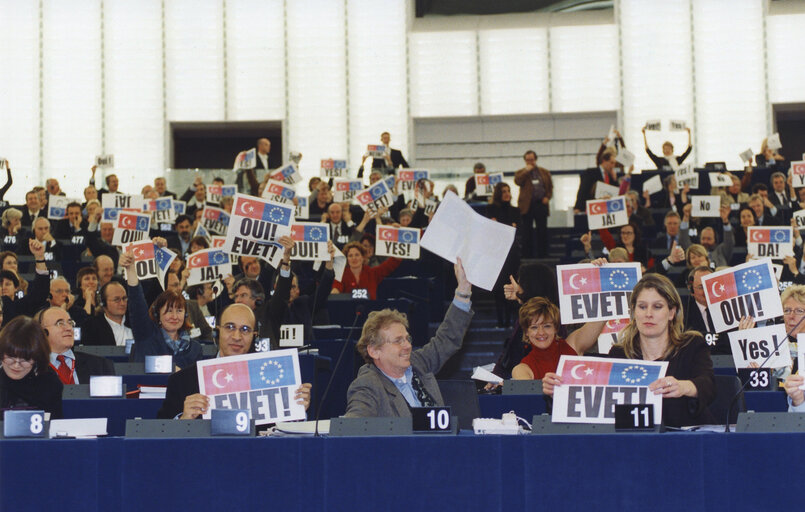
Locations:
{"points": [[236, 337], [340, 231], [72, 367], [106, 269]]}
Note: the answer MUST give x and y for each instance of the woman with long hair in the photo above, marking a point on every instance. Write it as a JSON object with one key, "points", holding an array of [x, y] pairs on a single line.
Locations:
{"points": [[655, 333]]}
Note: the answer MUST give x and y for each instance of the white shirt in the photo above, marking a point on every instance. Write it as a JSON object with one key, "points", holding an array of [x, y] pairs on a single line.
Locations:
{"points": [[263, 158], [703, 311], [120, 331]]}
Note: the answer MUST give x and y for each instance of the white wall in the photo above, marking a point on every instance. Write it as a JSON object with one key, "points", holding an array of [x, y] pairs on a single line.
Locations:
{"points": [[91, 76]]}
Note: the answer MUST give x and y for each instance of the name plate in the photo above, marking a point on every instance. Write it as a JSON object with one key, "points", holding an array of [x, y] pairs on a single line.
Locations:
{"points": [[230, 422], [262, 345], [634, 417], [430, 419], [158, 364], [757, 379], [104, 386], [24, 424]]}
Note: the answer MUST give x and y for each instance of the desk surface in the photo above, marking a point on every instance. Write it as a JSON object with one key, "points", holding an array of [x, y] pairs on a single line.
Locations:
{"points": [[672, 471]]}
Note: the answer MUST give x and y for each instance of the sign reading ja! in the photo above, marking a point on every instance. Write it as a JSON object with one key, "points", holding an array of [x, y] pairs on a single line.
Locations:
{"points": [[607, 213]]}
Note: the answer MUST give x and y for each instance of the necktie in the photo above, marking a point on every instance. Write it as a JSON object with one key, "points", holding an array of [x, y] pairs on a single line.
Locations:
{"points": [[606, 177], [421, 393], [64, 370]]}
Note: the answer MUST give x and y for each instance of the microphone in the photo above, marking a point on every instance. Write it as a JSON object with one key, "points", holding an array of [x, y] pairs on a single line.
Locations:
{"points": [[743, 387], [359, 311]]}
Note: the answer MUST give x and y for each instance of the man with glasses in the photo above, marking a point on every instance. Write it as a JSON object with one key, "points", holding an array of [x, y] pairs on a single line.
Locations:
{"points": [[72, 367], [236, 337], [111, 327], [396, 378]]}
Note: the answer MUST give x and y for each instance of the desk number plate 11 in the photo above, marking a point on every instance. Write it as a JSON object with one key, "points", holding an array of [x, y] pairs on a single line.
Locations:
{"points": [[430, 419], [24, 424], [634, 417]]}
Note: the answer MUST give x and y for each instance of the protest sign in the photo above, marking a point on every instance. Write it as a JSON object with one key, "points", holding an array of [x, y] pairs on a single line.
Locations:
{"points": [[345, 189], [57, 207], [591, 387], [292, 335], [256, 226], [747, 155], [311, 241], [376, 150], [302, 211], [611, 136], [131, 227], [686, 176], [773, 141], [202, 231], [375, 197], [333, 168], [653, 125], [113, 203], [408, 178], [265, 383], [603, 190], [179, 207], [161, 209], [678, 126], [456, 230], [485, 183], [720, 179], [145, 263], [397, 242], [798, 174], [589, 293], [246, 159], [215, 220], [766, 346], [749, 289], [288, 174], [774, 242], [606, 213], [164, 257], [430, 206], [217, 192], [207, 266], [105, 161], [278, 192], [652, 185], [799, 218], [609, 334], [625, 158], [705, 206], [295, 157]]}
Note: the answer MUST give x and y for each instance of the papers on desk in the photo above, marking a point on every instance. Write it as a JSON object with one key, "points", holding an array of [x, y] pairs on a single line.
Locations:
{"points": [[153, 392], [481, 373], [481, 243]]}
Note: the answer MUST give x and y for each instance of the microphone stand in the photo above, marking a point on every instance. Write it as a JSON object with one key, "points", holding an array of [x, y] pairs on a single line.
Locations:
{"points": [[743, 387]]}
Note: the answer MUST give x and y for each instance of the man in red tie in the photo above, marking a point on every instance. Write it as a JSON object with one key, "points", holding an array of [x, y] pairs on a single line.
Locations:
{"points": [[71, 367], [604, 172]]}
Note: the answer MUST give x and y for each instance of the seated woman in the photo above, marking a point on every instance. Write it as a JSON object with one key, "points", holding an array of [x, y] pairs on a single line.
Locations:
{"points": [[655, 333], [358, 275], [747, 217], [630, 239], [539, 320], [163, 328], [695, 256], [26, 379]]}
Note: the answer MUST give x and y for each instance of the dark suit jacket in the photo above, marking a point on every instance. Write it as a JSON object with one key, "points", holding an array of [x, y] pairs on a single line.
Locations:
{"points": [[522, 178], [586, 187], [96, 331], [26, 220], [64, 229], [372, 394], [88, 365], [180, 385], [776, 200], [397, 160], [717, 343]]}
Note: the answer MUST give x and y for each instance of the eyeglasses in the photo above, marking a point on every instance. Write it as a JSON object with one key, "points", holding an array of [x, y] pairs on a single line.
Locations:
{"points": [[61, 324], [627, 232], [22, 363], [118, 300], [400, 341], [789, 311], [243, 329]]}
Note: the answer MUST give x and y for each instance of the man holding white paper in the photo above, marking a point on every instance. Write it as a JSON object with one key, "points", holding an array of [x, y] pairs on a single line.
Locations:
{"points": [[663, 162]]}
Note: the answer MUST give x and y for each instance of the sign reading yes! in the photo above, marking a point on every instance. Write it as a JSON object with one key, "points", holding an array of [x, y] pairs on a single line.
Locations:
{"points": [[590, 293], [766, 346], [746, 290]]}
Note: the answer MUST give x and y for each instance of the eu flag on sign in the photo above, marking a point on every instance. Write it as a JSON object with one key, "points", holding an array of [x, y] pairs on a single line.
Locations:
{"points": [[271, 372], [309, 233], [255, 209]]}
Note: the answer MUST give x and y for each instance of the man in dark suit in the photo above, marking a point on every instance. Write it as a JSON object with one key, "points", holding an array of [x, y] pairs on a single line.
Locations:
{"points": [[31, 210], [604, 172], [698, 318], [111, 327], [73, 225], [390, 161], [780, 194], [71, 367], [183, 399], [161, 186], [766, 213]]}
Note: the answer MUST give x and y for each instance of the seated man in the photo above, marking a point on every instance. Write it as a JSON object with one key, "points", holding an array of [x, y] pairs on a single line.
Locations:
{"points": [[111, 326], [182, 398], [394, 378], [71, 367]]}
